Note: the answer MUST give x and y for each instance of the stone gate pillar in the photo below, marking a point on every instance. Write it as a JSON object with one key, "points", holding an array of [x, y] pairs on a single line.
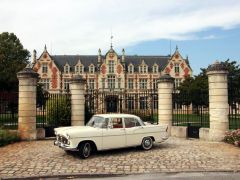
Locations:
{"points": [[218, 101], [165, 90], [27, 104], [77, 100]]}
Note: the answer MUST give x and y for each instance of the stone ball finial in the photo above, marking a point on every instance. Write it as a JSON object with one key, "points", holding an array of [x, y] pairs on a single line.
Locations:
{"points": [[217, 66]]}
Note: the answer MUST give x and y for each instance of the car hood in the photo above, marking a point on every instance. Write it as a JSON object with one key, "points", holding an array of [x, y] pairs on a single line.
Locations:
{"points": [[73, 130]]}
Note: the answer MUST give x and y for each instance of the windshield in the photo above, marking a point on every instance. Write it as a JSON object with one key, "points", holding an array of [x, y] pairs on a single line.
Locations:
{"points": [[98, 122]]}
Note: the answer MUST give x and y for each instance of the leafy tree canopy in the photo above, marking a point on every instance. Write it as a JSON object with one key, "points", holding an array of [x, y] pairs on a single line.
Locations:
{"points": [[197, 85], [13, 58]]}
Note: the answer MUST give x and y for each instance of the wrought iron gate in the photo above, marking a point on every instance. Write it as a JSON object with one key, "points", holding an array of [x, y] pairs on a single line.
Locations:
{"points": [[53, 110], [143, 103], [234, 103], [191, 110]]}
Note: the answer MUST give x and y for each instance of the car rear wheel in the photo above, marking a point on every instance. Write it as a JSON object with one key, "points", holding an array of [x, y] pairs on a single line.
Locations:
{"points": [[85, 150], [147, 143]]}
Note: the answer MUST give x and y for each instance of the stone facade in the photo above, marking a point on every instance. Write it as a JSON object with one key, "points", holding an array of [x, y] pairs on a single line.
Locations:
{"points": [[109, 71]]}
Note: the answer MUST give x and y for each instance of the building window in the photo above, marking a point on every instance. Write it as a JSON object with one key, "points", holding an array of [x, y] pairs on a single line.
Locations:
{"points": [[44, 67], [155, 102], [111, 82], [103, 83], [91, 69], [81, 69], [143, 84], [130, 83], [66, 69], [111, 66], [91, 84], [177, 82], [66, 84], [131, 69], [143, 102], [119, 83], [45, 83], [77, 69], [155, 69], [143, 69], [176, 68], [130, 103], [155, 84]]}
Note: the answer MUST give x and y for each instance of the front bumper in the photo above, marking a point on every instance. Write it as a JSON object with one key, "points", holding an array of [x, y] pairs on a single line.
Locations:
{"points": [[64, 146]]}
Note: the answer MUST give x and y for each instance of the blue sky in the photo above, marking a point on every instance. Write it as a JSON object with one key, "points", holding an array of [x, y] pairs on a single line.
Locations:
{"points": [[208, 46], [205, 30]]}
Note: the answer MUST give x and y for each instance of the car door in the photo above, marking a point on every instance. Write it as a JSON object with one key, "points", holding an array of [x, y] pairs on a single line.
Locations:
{"points": [[114, 136], [134, 131]]}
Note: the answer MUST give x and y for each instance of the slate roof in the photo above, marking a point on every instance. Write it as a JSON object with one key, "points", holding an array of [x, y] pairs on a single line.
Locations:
{"points": [[86, 60]]}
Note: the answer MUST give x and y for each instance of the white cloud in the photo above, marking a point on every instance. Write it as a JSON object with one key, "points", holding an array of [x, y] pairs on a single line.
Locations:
{"points": [[81, 27]]}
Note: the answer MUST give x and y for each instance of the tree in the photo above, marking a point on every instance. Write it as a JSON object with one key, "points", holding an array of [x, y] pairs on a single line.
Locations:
{"points": [[198, 85], [233, 81], [13, 58]]}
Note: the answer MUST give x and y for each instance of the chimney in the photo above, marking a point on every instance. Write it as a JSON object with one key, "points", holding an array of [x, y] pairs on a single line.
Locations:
{"points": [[34, 56]]}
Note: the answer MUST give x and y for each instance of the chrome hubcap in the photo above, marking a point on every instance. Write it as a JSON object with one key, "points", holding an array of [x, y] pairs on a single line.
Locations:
{"points": [[86, 149], [147, 142]]}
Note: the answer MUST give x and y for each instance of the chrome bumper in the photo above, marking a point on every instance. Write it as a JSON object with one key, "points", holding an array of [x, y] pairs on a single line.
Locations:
{"points": [[64, 146]]}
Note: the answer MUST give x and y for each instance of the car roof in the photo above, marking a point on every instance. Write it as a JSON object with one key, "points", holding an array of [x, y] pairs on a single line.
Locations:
{"points": [[119, 115]]}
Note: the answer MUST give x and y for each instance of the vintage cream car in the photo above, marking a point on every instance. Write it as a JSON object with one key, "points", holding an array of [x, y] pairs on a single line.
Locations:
{"points": [[109, 131]]}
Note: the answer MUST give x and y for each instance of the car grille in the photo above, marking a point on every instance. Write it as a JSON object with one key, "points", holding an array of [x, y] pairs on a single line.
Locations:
{"points": [[62, 139]]}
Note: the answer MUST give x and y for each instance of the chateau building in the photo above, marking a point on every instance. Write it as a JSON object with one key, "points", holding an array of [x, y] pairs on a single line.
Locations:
{"points": [[109, 72]]}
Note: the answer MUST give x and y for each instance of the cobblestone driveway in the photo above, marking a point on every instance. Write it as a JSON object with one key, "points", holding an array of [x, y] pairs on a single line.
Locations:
{"points": [[176, 155]]}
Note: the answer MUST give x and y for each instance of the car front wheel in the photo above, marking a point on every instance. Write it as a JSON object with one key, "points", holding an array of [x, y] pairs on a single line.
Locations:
{"points": [[147, 143], [85, 150]]}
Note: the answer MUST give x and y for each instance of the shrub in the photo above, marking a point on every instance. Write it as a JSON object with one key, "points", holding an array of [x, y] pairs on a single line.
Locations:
{"points": [[233, 137], [58, 111], [8, 137]]}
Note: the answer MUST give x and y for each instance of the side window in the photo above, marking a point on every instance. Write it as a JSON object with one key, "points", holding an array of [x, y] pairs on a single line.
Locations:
{"points": [[105, 123], [131, 122], [117, 123]]}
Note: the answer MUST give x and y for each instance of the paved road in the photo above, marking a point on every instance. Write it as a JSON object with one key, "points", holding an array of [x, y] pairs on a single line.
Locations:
{"points": [[41, 158]]}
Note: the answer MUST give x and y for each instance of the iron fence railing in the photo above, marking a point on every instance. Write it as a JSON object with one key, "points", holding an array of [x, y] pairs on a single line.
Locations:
{"points": [[234, 105], [8, 110], [190, 109], [53, 110]]}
